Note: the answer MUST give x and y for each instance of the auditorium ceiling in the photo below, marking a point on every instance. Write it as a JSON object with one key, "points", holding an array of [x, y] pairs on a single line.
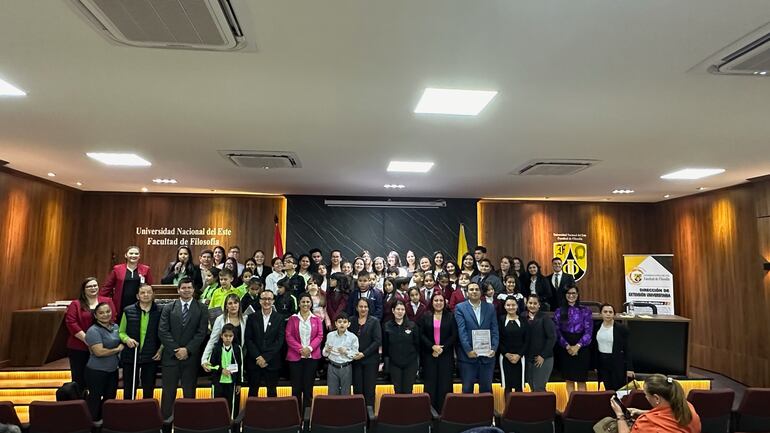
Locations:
{"points": [[337, 82]]}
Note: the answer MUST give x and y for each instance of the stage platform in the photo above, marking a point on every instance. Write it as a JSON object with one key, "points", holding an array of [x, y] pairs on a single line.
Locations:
{"points": [[22, 386]]}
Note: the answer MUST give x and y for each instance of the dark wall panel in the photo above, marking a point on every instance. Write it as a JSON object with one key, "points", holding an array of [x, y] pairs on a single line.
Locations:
{"points": [[311, 224]]}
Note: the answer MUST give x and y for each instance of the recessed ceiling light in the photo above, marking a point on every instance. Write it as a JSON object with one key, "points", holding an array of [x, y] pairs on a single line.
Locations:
{"points": [[623, 191], [606, 199], [410, 166], [394, 186], [164, 180], [763, 73], [693, 173], [127, 159], [8, 89], [144, 189], [454, 101], [701, 188], [667, 196], [51, 174], [79, 183]]}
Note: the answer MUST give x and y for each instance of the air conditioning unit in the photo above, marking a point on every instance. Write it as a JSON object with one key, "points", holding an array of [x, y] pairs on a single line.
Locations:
{"points": [[554, 167], [266, 159], [386, 203], [750, 55], [186, 24]]}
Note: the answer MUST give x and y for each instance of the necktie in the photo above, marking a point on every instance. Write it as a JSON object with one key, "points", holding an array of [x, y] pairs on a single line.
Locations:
{"points": [[558, 280], [185, 314]]}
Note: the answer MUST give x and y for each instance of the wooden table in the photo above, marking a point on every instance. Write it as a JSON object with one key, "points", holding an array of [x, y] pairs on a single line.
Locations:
{"points": [[37, 337]]}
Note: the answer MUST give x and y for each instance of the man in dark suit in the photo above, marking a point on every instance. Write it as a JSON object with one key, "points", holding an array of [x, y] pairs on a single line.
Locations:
{"points": [[182, 329], [476, 315], [264, 339], [558, 281]]}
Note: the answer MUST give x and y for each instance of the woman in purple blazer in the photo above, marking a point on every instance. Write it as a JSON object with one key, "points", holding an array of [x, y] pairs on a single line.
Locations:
{"points": [[304, 334]]}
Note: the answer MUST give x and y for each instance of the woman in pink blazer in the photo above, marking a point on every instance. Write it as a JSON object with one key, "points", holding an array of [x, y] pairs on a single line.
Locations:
{"points": [[304, 334], [123, 282]]}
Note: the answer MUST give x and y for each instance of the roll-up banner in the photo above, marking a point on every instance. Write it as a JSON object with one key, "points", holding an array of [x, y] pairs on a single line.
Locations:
{"points": [[650, 279]]}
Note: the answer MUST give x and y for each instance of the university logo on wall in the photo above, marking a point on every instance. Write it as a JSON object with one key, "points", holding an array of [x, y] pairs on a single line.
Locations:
{"points": [[574, 257]]}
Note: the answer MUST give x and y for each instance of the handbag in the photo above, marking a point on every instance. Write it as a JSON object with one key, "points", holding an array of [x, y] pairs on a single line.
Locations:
{"points": [[609, 424]]}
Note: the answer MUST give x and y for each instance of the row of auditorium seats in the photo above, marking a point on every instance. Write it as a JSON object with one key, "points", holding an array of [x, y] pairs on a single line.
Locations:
{"points": [[404, 413]]}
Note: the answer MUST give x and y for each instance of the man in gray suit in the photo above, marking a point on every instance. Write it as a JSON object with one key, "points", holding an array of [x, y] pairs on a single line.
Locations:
{"points": [[183, 325]]}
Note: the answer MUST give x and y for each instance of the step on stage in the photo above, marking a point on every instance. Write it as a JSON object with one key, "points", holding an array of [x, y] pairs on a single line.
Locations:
{"points": [[22, 386]]}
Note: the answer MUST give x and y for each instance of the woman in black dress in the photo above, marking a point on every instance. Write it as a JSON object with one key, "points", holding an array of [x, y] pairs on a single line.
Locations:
{"points": [[438, 332], [514, 341]]}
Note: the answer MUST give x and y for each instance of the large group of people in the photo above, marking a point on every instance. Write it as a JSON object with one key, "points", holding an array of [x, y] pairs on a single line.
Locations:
{"points": [[350, 321]]}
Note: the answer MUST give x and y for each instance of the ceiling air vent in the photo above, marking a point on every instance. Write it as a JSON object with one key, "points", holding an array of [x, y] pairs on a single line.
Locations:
{"points": [[750, 55], [554, 167], [187, 24], [261, 158]]}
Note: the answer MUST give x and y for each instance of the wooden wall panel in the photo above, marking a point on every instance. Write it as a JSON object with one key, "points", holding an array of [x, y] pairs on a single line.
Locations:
{"points": [[718, 277], [526, 229], [38, 228], [109, 223]]}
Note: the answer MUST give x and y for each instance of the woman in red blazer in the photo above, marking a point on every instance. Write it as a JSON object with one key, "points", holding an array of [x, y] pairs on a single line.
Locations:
{"points": [[123, 281], [78, 318], [304, 334]]}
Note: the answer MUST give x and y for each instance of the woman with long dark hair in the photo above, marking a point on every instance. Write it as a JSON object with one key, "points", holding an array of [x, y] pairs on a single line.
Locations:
{"points": [[574, 331], [411, 263], [304, 334], [78, 318], [366, 362], [180, 268], [452, 270], [514, 341], [337, 294], [261, 270], [438, 262], [468, 265], [219, 256], [534, 283], [438, 332], [232, 264]]}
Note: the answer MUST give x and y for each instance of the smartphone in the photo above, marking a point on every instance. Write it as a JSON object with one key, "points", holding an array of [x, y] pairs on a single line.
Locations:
{"points": [[623, 407]]}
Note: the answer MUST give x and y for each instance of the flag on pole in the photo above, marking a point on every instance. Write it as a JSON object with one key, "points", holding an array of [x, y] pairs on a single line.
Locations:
{"points": [[462, 243], [277, 242]]}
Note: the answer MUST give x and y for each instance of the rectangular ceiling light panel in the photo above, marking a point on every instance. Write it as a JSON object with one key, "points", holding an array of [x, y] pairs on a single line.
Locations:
{"points": [[124, 159], [8, 89], [693, 173], [454, 101], [410, 166]]}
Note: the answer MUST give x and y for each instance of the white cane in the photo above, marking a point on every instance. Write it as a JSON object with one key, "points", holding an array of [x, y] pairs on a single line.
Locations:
{"points": [[134, 374]]}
